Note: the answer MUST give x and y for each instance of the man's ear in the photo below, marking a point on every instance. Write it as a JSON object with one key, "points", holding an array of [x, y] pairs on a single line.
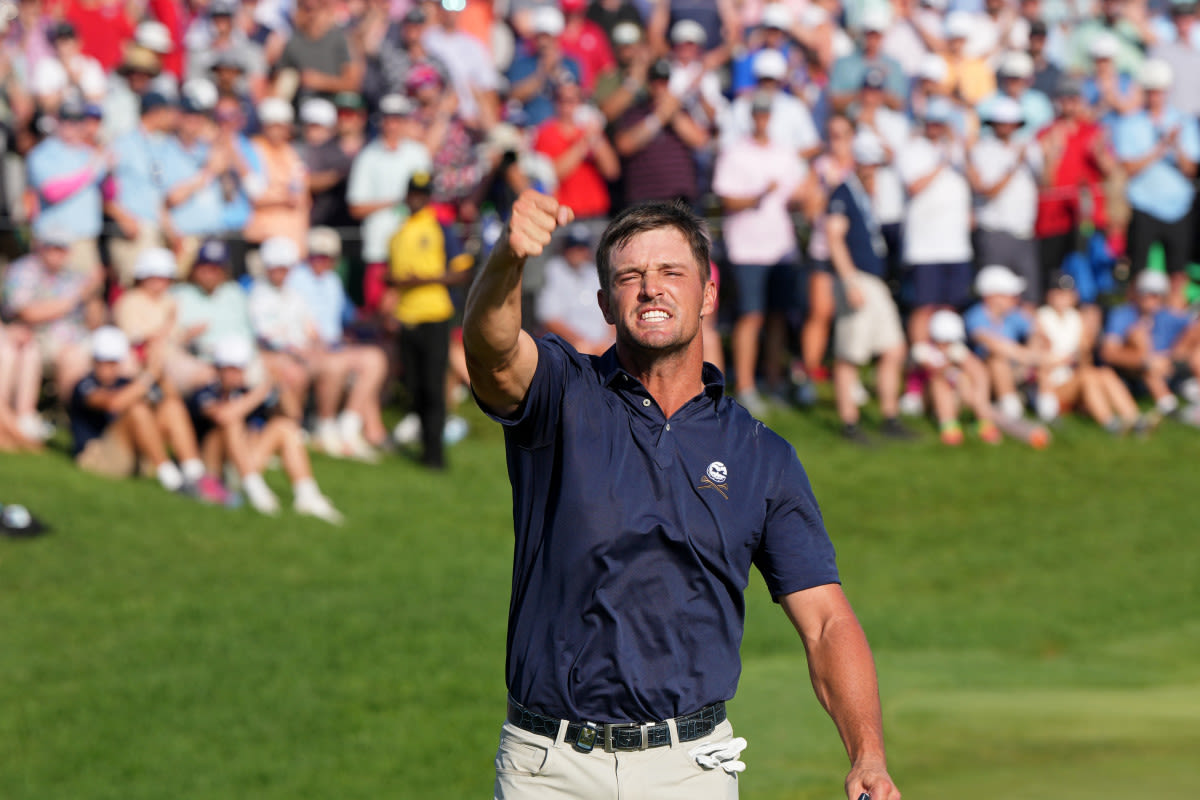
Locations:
{"points": [[602, 300], [709, 305]]}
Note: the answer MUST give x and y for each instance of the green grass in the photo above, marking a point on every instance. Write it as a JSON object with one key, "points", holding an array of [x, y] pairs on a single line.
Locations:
{"points": [[1035, 617]]}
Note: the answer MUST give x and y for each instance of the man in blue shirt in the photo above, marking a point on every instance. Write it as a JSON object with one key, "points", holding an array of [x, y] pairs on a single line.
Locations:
{"points": [[536, 72], [846, 75], [999, 333], [1149, 342], [642, 495], [192, 171], [1158, 148]]}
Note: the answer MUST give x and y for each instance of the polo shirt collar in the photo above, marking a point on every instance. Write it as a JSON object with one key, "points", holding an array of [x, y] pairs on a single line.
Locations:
{"points": [[614, 376]]}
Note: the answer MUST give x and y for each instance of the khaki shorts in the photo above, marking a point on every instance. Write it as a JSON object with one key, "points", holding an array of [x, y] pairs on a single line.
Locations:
{"points": [[871, 330], [533, 767], [110, 455], [124, 252], [83, 256]]}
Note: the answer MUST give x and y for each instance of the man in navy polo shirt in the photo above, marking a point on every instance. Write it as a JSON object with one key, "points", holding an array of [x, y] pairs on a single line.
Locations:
{"points": [[642, 495]]}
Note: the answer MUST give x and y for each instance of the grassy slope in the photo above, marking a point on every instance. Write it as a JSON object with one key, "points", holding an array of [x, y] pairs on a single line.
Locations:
{"points": [[1034, 615]]}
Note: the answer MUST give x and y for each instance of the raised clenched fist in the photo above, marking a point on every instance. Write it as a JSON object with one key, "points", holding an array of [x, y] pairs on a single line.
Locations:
{"points": [[534, 218]]}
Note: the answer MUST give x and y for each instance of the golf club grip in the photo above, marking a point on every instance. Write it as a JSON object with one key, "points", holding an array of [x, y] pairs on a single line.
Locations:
{"points": [[864, 796]]}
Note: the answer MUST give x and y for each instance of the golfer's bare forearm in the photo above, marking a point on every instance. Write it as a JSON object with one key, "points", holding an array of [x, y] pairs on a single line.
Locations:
{"points": [[844, 679], [492, 335]]}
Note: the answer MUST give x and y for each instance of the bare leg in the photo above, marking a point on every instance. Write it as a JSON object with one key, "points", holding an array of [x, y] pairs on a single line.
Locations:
{"points": [[332, 369], [29, 380], [974, 389], [235, 442], [774, 345], [1118, 395], [845, 375], [745, 350], [213, 451], [1003, 380], [369, 366], [140, 426], [8, 374], [814, 336], [918, 324], [71, 363], [176, 427], [293, 381], [888, 376], [714, 353], [282, 436], [943, 398]]}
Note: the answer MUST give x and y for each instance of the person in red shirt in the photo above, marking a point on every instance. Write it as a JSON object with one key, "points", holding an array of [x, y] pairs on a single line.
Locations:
{"points": [[104, 26], [584, 159], [1078, 160], [586, 42]]}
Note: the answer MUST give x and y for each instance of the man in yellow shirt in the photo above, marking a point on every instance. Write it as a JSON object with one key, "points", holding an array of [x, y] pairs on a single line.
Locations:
{"points": [[426, 258]]}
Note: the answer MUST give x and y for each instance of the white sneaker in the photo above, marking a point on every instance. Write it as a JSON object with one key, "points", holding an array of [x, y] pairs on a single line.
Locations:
{"points": [[329, 441], [261, 498], [357, 448], [318, 506], [1190, 389], [455, 431], [911, 404], [35, 428], [860, 394], [407, 430]]}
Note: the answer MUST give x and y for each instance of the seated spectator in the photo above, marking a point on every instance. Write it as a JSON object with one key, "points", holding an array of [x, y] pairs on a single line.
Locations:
{"points": [[958, 379], [1070, 377], [378, 178], [148, 315], [1001, 334], [142, 156], [117, 420], [584, 160], [1152, 344], [285, 331], [66, 176], [281, 206], [657, 140], [20, 382], [868, 322], [566, 303], [44, 294], [341, 367], [317, 59], [542, 66], [238, 425], [211, 306], [426, 259]]}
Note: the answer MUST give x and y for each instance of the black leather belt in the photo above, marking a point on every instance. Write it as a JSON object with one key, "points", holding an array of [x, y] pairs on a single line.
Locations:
{"points": [[619, 736]]}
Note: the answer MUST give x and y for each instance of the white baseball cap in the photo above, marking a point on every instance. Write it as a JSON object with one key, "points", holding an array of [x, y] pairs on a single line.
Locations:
{"points": [[395, 105], [959, 25], [324, 241], [233, 351], [155, 262], [154, 36], [109, 343], [946, 327], [1016, 64], [1003, 110], [279, 252], [1105, 45], [1155, 74], [769, 64], [777, 16], [1153, 282], [548, 20], [868, 150], [318, 111], [998, 279], [275, 111], [688, 30], [199, 94], [875, 20], [933, 68], [626, 33]]}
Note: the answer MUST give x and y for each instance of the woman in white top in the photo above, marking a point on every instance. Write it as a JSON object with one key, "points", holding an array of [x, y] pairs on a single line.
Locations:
{"points": [[1070, 378]]}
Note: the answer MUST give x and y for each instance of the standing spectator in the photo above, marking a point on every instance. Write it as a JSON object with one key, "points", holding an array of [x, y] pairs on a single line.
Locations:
{"points": [[584, 160], [566, 303], [1015, 76], [237, 424], [1046, 74], [586, 42], [1158, 148], [401, 50], [848, 71], [472, 73], [1004, 174], [535, 73], [66, 176], [791, 123], [1147, 341], [1183, 57], [327, 164], [115, 420], [69, 73], [758, 181], [122, 102], [192, 172], [426, 259], [139, 208], [970, 77], [694, 77], [104, 26], [609, 14], [280, 206], [1077, 163], [892, 130], [1109, 93], [342, 367], [44, 294], [317, 59], [148, 315], [243, 174], [377, 178], [1113, 21], [868, 322], [937, 222], [230, 47], [657, 140], [622, 85], [211, 306], [1001, 333]]}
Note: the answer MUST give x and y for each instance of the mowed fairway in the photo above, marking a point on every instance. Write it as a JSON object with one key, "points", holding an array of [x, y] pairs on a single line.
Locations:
{"points": [[1035, 616]]}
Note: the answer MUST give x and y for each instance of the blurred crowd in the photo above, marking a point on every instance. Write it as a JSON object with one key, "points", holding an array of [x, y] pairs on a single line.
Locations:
{"points": [[233, 231]]}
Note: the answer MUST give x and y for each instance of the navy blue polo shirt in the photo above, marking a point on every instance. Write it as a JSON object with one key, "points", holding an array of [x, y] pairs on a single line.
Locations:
{"points": [[864, 238], [634, 540], [212, 393], [87, 422]]}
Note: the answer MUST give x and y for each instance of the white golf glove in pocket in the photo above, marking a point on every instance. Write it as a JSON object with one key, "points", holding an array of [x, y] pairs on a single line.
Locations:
{"points": [[720, 755]]}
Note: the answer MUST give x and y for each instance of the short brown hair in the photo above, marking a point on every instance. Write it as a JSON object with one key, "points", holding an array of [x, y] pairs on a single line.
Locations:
{"points": [[649, 217]]}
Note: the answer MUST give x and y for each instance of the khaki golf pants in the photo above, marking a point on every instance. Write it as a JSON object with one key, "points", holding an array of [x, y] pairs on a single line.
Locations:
{"points": [[532, 767]]}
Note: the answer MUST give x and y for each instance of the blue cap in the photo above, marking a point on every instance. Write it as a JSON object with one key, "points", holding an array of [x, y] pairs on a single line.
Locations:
{"points": [[93, 111], [578, 235], [71, 109], [213, 251], [152, 101]]}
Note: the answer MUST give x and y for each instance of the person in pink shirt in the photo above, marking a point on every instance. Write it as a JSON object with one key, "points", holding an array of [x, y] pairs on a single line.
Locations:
{"points": [[586, 42]]}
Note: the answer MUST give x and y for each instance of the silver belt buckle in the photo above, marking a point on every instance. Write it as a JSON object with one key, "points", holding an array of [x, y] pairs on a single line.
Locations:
{"points": [[610, 727]]}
